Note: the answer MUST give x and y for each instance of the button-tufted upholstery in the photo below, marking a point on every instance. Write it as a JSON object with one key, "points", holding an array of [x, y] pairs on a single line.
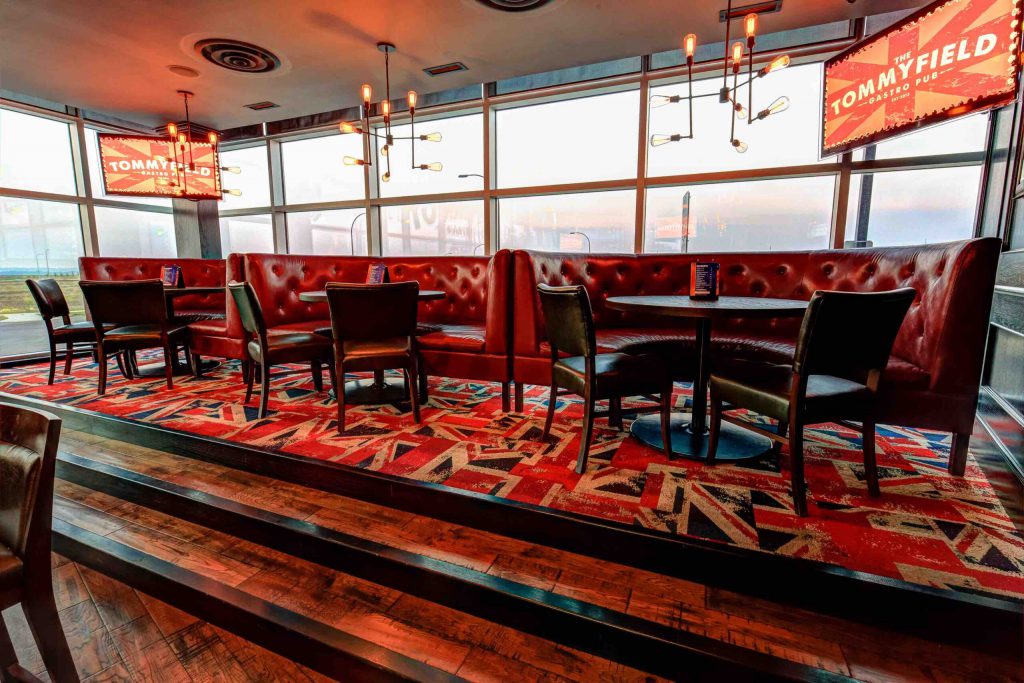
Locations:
{"points": [[467, 332], [933, 374], [196, 272], [223, 337]]}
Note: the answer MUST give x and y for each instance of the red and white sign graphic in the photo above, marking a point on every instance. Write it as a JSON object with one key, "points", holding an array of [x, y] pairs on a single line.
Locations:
{"points": [[952, 58], [146, 167]]}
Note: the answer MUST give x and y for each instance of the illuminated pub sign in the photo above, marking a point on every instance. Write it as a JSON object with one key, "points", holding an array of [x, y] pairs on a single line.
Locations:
{"points": [[951, 58], [146, 167]]}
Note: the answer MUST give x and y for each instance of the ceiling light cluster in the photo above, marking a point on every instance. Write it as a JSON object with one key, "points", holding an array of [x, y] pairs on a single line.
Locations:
{"points": [[388, 137], [181, 148], [732, 63]]}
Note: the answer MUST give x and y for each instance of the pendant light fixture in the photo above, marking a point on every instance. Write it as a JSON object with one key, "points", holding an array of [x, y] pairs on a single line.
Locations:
{"points": [[729, 94], [182, 159], [389, 138]]}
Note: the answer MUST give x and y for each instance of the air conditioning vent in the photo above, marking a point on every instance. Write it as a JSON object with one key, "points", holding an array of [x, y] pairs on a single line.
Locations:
{"points": [[766, 7], [259, 106], [237, 56], [446, 68], [514, 5]]}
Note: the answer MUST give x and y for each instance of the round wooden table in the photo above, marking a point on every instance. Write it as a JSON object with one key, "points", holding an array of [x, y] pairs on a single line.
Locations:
{"points": [[377, 390], [689, 438]]}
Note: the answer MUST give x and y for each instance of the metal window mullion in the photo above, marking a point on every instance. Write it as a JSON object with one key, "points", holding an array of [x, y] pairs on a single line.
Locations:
{"points": [[277, 215], [371, 191], [490, 130], [641, 157], [841, 202]]}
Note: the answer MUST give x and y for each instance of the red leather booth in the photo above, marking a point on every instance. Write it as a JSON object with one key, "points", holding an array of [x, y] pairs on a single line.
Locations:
{"points": [[933, 375], [195, 272], [466, 334]]}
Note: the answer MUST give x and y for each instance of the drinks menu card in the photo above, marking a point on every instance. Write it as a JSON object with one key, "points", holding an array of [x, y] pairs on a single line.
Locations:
{"points": [[377, 274], [171, 276], [704, 282]]}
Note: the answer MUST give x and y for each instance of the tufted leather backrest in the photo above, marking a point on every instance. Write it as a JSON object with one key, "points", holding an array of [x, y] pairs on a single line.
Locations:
{"points": [[28, 451], [476, 287], [196, 272], [943, 332], [49, 298]]}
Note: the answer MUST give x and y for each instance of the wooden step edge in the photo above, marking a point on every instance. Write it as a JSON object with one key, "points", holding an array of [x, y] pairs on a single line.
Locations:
{"points": [[606, 633], [912, 609], [327, 650]]}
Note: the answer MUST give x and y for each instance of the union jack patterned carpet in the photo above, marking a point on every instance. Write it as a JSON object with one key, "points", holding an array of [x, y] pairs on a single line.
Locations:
{"points": [[927, 527]]}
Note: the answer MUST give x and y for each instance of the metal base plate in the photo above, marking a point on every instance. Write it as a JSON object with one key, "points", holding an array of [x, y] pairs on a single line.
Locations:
{"points": [[368, 391], [734, 443], [157, 369]]}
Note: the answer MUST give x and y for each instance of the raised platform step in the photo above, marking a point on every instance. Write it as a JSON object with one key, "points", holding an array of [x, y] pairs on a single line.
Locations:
{"points": [[667, 626]]}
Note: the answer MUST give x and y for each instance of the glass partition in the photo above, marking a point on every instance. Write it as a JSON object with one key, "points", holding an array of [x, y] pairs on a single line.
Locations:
{"points": [[339, 232], [599, 222], [35, 154], [440, 229], [314, 169], [247, 234], [123, 232], [246, 170]]}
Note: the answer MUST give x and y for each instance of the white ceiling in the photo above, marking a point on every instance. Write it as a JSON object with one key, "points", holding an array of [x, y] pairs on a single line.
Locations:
{"points": [[112, 55]]}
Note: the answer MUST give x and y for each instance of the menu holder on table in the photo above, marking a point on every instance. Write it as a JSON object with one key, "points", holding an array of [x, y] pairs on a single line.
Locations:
{"points": [[704, 283], [377, 274], [171, 276]]}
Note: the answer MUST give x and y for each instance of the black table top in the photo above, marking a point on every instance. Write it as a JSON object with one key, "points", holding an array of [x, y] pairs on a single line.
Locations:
{"points": [[321, 295], [723, 307]]}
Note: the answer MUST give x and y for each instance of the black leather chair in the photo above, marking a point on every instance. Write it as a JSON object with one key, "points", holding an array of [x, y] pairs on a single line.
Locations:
{"points": [[265, 350], [595, 376], [137, 310], [374, 328], [843, 348], [28, 456], [50, 301]]}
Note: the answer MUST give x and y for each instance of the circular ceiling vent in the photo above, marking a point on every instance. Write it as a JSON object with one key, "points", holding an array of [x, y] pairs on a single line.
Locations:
{"points": [[238, 56], [514, 5]]}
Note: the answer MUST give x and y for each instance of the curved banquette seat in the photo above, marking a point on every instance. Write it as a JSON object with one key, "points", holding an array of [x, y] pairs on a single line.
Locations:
{"points": [[933, 374]]}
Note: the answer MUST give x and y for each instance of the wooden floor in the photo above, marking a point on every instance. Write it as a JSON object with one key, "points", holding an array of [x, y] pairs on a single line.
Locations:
{"points": [[118, 634], [449, 640]]}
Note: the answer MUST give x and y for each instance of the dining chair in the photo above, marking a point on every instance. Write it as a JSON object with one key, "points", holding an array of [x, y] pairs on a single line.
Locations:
{"points": [[28, 456], [577, 368], [49, 299], [374, 329], [137, 310], [265, 350], [844, 345]]}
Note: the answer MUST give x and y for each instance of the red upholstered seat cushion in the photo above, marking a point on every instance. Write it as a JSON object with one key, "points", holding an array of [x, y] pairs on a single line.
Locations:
{"points": [[469, 338], [906, 374], [305, 326], [211, 328]]}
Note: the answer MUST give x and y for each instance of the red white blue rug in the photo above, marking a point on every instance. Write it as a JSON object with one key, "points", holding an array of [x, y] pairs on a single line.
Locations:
{"points": [[927, 527]]}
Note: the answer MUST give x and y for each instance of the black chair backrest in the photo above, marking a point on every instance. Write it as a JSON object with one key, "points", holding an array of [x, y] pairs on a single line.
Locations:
{"points": [[367, 312], [130, 302], [49, 298], [249, 310], [850, 334], [568, 319]]}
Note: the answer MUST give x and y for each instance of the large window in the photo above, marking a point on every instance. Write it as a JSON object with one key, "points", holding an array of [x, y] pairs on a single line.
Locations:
{"points": [[246, 234], [767, 215], [589, 221], [788, 138], [122, 232], [460, 153], [341, 232], [245, 171], [571, 141], [37, 240], [35, 154], [314, 170], [433, 229]]}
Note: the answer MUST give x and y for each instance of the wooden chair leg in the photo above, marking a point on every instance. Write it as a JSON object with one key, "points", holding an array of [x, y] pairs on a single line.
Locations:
{"points": [[264, 390], [506, 397], [339, 393], [552, 405], [188, 359], [715, 427], [781, 430], [248, 372], [958, 454], [8, 656], [666, 421], [124, 369], [333, 376], [135, 362], [615, 412], [318, 377], [43, 621], [870, 465], [796, 464], [197, 366], [102, 353], [169, 357], [424, 385], [519, 397], [413, 371], [588, 432], [53, 363], [68, 355]]}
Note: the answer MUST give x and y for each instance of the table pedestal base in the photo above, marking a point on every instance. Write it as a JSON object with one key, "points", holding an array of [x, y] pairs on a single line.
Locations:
{"points": [[370, 391], [734, 443], [156, 368]]}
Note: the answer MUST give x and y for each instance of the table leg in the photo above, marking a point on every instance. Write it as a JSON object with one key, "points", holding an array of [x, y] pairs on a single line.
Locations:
{"points": [[690, 437]]}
